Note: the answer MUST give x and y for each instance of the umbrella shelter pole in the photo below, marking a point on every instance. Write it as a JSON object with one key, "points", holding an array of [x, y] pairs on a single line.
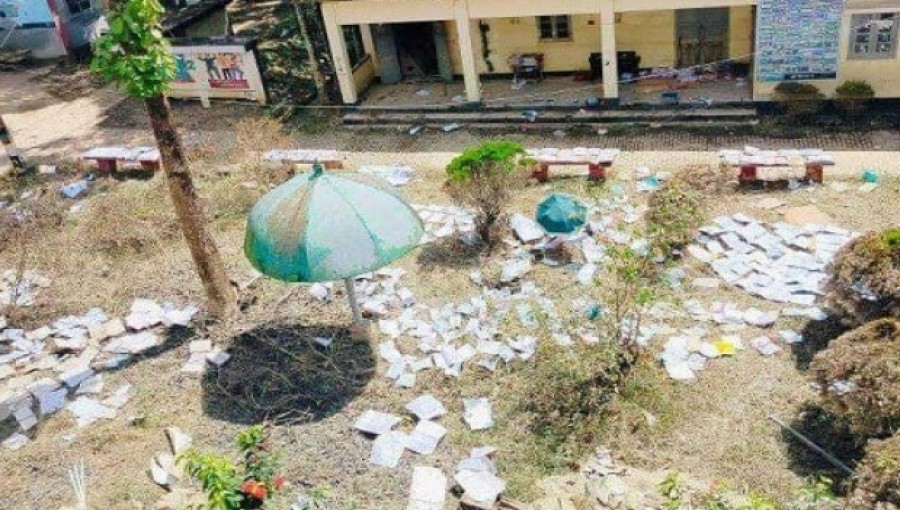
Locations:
{"points": [[354, 304]]}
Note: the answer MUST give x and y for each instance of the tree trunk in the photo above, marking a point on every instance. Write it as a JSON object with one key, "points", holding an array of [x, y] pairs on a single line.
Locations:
{"points": [[314, 68], [221, 295]]}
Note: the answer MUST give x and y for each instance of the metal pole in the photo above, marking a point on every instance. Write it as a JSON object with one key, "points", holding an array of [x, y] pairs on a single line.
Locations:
{"points": [[354, 304], [814, 447], [15, 155]]}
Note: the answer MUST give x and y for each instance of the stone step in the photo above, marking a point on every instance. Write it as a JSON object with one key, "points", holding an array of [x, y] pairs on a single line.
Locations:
{"points": [[554, 119], [544, 127]]}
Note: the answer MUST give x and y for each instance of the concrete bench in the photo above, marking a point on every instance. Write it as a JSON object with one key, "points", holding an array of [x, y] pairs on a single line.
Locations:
{"points": [[597, 161], [750, 161], [108, 158], [329, 158]]}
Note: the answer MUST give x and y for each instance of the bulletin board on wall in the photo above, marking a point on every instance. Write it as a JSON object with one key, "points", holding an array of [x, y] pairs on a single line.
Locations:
{"points": [[798, 39], [220, 68]]}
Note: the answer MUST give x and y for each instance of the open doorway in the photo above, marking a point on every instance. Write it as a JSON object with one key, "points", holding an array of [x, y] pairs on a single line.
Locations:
{"points": [[416, 50]]}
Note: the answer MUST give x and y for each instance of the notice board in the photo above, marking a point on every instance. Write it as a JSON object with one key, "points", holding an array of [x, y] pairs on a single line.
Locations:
{"points": [[798, 39], [221, 68]]}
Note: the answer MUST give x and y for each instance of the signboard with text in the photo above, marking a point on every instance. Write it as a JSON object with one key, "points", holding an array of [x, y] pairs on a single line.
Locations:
{"points": [[798, 39]]}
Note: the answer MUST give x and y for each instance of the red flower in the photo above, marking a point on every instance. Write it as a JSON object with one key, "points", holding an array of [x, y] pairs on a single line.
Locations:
{"points": [[254, 489], [278, 482]]}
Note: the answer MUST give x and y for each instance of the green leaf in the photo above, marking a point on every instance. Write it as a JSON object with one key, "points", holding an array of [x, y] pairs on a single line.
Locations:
{"points": [[134, 55]]}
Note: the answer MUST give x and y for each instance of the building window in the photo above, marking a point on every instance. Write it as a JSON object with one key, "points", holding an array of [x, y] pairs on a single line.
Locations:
{"points": [[874, 35], [555, 28], [76, 6], [355, 48]]}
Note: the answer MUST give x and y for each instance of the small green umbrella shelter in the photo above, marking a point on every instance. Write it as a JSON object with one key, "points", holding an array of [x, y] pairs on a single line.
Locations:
{"points": [[561, 214], [320, 226]]}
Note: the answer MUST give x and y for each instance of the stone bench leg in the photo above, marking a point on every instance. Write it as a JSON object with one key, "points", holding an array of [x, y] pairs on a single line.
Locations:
{"points": [[334, 165], [150, 165], [748, 174], [107, 166], [596, 172], [815, 173], [541, 173]]}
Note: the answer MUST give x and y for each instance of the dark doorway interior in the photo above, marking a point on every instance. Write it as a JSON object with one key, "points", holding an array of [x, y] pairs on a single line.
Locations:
{"points": [[416, 49]]}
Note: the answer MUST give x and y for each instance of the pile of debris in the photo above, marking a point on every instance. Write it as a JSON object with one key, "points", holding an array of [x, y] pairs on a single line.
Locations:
{"points": [[41, 369]]}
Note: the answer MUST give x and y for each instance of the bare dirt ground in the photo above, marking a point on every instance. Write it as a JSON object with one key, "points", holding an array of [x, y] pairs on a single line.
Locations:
{"points": [[124, 245]]}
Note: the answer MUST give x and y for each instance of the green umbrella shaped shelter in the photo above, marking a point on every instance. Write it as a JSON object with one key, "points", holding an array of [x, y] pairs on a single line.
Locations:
{"points": [[320, 226], [561, 214]]}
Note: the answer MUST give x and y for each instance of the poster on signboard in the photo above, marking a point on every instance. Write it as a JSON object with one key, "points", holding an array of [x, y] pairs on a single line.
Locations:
{"points": [[217, 70], [798, 39]]}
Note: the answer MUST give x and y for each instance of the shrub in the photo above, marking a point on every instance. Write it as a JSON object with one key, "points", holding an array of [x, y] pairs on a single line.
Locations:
{"points": [[859, 374], [228, 486], [675, 213], [799, 100], [707, 179], [573, 385], [864, 279], [878, 477], [853, 96], [566, 409], [483, 178]]}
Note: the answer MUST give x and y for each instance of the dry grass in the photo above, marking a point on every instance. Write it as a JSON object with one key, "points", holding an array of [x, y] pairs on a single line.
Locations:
{"points": [[134, 220], [716, 428]]}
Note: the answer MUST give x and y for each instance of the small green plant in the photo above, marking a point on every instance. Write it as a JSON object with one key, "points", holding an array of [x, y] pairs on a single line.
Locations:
{"points": [[673, 489], [483, 178], [252, 484], [864, 281], [799, 100], [319, 498], [675, 213], [853, 96], [816, 494], [628, 289]]}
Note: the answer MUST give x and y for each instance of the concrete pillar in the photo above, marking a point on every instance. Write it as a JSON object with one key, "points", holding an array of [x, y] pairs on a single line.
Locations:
{"points": [[608, 47], [464, 35], [369, 44], [339, 56]]}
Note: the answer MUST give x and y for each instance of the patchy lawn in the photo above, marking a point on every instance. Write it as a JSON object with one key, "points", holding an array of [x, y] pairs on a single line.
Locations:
{"points": [[123, 244]]}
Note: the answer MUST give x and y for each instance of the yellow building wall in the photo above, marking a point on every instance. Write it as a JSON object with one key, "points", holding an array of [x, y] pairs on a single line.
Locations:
{"points": [[649, 33], [741, 33]]}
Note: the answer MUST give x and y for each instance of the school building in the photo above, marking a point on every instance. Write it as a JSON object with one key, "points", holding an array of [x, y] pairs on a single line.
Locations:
{"points": [[627, 48]]}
